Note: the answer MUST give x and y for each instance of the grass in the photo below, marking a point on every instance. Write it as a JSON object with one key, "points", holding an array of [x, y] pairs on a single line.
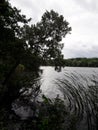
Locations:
{"points": [[81, 99]]}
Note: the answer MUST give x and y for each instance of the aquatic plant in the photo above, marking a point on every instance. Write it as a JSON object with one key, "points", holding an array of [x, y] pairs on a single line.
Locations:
{"points": [[81, 98]]}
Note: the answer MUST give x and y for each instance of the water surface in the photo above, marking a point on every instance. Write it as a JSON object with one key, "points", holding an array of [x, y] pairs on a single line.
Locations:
{"points": [[49, 77]]}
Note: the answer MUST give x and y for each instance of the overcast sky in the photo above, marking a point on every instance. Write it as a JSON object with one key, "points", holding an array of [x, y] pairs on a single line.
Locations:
{"points": [[82, 16]]}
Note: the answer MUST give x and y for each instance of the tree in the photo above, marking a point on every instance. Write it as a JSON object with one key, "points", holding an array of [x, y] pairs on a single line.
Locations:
{"points": [[11, 46], [26, 46], [21, 50], [44, 38]]}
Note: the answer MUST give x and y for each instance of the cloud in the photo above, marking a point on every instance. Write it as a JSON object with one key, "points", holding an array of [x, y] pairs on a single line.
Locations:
{"points": [[82, 16], [80, 49], [90, 5]]}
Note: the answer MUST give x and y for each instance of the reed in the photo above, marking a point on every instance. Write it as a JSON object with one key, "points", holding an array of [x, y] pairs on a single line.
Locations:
{"points": [[81, 98]]}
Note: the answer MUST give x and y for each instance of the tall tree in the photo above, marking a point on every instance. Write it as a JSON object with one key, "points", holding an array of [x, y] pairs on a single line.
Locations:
{"points": [[11, 45], [23, 47], [44, 38]]}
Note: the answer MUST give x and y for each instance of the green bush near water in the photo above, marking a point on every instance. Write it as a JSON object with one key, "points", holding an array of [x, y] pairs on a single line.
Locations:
{"points": [[52, 114]]}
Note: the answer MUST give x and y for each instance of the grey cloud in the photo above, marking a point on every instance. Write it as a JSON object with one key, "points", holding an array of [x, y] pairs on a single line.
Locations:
{"points": [[90, 5], [80, 49], [72, 53], [81, 16]]}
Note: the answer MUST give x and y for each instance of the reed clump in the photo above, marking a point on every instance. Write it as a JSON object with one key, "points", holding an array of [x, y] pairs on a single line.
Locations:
{"points": [[81, 98]]}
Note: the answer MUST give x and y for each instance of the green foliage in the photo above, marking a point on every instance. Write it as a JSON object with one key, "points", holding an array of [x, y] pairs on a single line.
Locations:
{"points": [[44, 37], [74, 62], [26, 46], [22, 48], [11, 50], [81, 62], [54, 115]]}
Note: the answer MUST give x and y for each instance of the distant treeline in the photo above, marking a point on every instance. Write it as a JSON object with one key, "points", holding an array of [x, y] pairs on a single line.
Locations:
{"points": [[81, 62], [74, 62]]}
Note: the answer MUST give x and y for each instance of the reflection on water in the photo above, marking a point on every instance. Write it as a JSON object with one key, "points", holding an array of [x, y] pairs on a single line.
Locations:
{"points": [[79, 86], [49, 77]]}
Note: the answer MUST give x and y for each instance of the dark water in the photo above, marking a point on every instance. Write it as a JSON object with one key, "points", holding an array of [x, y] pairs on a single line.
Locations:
{"points": [[49, 78], [79, 88]]}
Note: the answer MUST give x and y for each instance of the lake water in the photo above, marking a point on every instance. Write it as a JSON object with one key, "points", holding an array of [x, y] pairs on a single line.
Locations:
{"points": [[77, 99], [49, 77], [78, 86]]}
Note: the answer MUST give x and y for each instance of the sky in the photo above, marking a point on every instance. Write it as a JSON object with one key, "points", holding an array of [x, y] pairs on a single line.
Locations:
{"points": [[82, 16]]}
